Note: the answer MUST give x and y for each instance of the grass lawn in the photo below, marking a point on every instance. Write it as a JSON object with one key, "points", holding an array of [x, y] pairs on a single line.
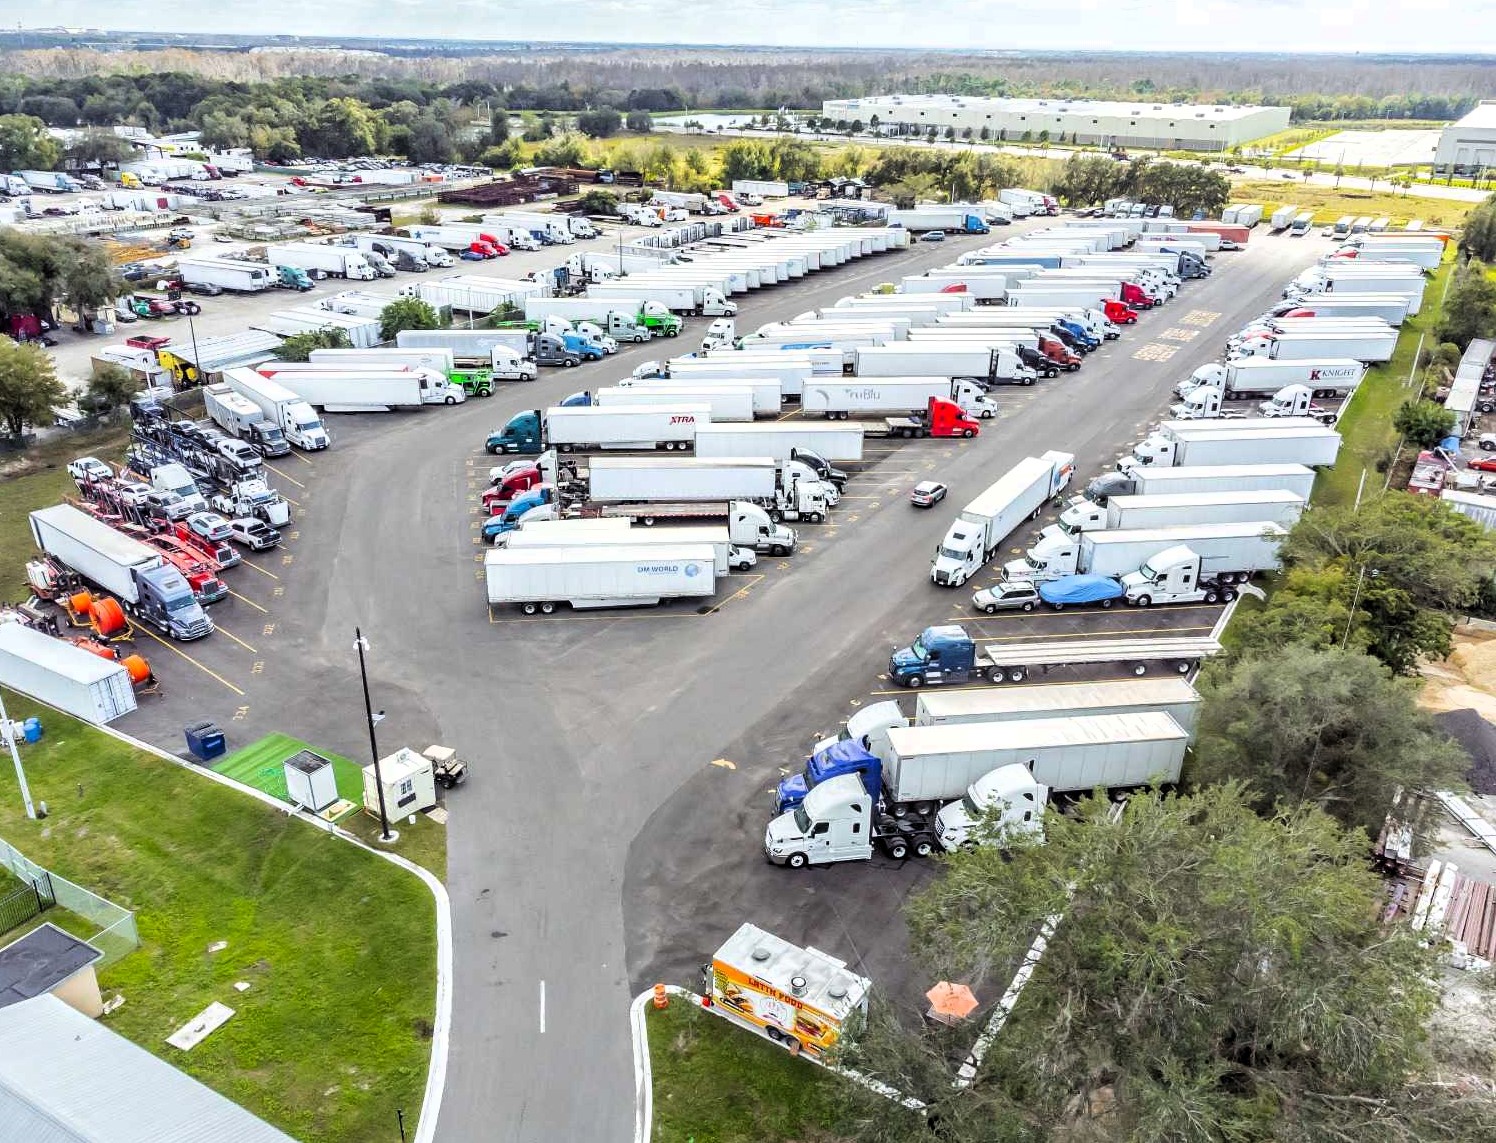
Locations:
{"points": [[34, 479], [1366, 429], [716, 1083], [1328, 204], [337, 945]]}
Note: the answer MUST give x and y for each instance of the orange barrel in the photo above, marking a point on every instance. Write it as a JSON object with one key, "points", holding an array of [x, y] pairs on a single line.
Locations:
{"points": [[140, 670], [108, 617], [80, 602]]}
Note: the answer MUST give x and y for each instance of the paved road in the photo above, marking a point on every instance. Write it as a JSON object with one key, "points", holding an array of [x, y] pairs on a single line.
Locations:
{"points": [[597, 847]]}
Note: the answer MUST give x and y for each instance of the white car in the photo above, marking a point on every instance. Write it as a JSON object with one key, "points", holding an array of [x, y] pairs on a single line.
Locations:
{"points": [[210, 526], [253, 534], [88, 469], [741, 559]]}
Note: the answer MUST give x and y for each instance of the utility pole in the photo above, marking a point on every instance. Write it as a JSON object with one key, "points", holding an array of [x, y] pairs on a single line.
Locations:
{"points": [[384, 821], [15, 756]]}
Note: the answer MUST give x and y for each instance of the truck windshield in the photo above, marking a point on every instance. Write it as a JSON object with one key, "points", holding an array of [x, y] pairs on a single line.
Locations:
{"points": [[802, 820], [951, 553], [1148, 571], [919, 650], [968, 803], [1070, 529], [271, 434], [183, 602], [309, 425]]}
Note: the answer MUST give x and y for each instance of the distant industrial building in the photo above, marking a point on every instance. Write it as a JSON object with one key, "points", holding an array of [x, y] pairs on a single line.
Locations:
{"points": [[1469, 144], [1167, 126]]}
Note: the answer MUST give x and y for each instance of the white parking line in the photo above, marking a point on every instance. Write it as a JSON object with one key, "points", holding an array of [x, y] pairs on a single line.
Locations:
{"points": [[542, 1008]]}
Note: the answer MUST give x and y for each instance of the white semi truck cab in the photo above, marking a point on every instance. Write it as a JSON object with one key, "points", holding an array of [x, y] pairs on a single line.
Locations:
{"points": [[1010, 792], [1173, 576], [1296, 401]]}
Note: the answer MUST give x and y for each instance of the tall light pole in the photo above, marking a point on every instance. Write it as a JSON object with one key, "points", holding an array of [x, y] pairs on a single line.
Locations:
{"points": [[384, 821], [15, 756]]}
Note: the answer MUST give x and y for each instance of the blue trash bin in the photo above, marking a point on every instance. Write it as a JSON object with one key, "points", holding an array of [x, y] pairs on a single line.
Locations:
{"points": [[205, 740], [31, 730]]}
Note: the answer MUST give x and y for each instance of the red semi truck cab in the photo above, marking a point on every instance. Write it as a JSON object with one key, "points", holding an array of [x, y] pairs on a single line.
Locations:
{"points": [[946, 419], [496, 499], [1117, 313], [1056, 350], [1133, 295]]}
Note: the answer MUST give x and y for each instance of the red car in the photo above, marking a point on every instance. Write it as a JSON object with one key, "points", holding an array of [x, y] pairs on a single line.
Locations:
{"points": [[1482, 464]]}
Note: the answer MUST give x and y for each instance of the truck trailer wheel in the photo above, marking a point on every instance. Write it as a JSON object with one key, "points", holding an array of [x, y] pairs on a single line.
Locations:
{"points": [[1140, 669], [996, 675], [1017, 674], [529, 608], [1228, 595], [547, 608], [898, 849], [796, 861], [1184, 666], [924, 847]]}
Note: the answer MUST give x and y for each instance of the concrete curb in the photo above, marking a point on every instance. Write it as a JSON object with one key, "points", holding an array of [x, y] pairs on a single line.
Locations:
{"points": [[436, 1072]]}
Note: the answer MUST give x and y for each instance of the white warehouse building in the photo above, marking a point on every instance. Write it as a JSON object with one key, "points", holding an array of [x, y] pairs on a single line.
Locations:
{"points": [[1168, 126], [1469, 143]]}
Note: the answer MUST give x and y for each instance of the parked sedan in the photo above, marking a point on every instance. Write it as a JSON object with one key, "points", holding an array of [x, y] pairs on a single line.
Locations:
{"points": [[927, 494], [253, 534], [210, 526], [934, 236], [472, 256], [1080, 590], [1482, 463], [1010, 595]]}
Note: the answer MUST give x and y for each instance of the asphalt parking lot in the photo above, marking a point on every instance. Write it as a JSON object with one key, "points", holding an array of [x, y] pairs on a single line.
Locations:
{"points": [[610, 833]]}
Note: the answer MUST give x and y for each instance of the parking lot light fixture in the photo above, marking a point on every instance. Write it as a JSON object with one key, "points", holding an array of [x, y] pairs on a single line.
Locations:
{"points": [[362, 645]]}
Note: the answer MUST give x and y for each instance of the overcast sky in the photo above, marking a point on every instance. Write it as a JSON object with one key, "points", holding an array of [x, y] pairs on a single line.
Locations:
{"points": [[1238, 25]]}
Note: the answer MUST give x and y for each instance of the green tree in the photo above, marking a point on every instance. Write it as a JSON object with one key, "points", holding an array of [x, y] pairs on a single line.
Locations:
{"points": [[407, 313], [429, 141], [599, 123], [498, 126], [1210, 975], [342, 128], [299, 346], [98, 149], [1478, 239], [88, 280], [568, 150], [505, 157], [111, 387], [29, 388], [598, 202], [1331, 727], [1470, 306], [640, 122], [1423, 423], [25, 144]]}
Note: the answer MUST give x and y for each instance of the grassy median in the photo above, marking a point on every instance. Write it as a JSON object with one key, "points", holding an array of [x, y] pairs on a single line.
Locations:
{"points": [[337, 945], [1329, 204], [716, 1083]]}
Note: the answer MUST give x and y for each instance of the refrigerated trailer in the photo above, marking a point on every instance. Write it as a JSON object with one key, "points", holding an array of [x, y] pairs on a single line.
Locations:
{"points": [[1370, 347], [1261, 376], [1164, 510], [766, 393], [723, 404], [1149, 481], [1315, 447], [54, 671], [618, 480], [839, 441], [538, 580], [1173, 697], [227, 274]]}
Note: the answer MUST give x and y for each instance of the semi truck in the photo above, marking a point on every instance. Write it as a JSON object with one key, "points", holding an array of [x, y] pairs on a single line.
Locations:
{"points": [[1148, 481], [294, 416], [1316, 447], [1369, 346], [782, 440], [316, 257], [986, 522], [226, 274], [560, 229], [1159, 510], [947, 655], [990, 288], [136, 574], [960, 359], [867, 730], [1228, 552], [355, 389], [687, 299], [894, 800], [839, 399], [474, 382], [648, 427], [470, 294], [538, 580], [748, 524], [1391, 308], [502, 352], [241, 417], [627, 319], [1261, 376], [415, 251]]}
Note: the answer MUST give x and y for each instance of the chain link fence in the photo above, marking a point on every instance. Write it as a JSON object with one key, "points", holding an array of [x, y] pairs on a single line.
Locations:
{"points": [[117, 934]]}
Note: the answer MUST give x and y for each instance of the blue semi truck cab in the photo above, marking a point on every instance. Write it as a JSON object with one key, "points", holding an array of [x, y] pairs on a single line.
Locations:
{"points": [[943, 654], [508, 520], [845, 757], [522, 433]]}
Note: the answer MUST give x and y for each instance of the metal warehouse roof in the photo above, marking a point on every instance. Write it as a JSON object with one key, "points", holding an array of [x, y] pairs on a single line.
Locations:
{"points": [[67, 1079]]}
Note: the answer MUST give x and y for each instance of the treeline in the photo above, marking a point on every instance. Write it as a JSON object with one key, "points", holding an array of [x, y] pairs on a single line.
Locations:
{"points": [[1316, 87]]}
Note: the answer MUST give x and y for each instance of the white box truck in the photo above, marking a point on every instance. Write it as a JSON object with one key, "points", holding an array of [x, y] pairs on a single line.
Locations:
{"points": [[227, 274], [541, 579], [333, 261], [781, 440], [349, 389], [1227, 552], [979, 531], [53, 671], [282, 407], [685, 299], [1164, 510], [1316, 447], [502, 352]]}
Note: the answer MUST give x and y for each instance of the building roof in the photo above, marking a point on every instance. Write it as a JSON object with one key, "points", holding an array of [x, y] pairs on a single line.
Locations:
{"points": [[40, 961], [1482, 117], [1141, 109], [67, 1079]]}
